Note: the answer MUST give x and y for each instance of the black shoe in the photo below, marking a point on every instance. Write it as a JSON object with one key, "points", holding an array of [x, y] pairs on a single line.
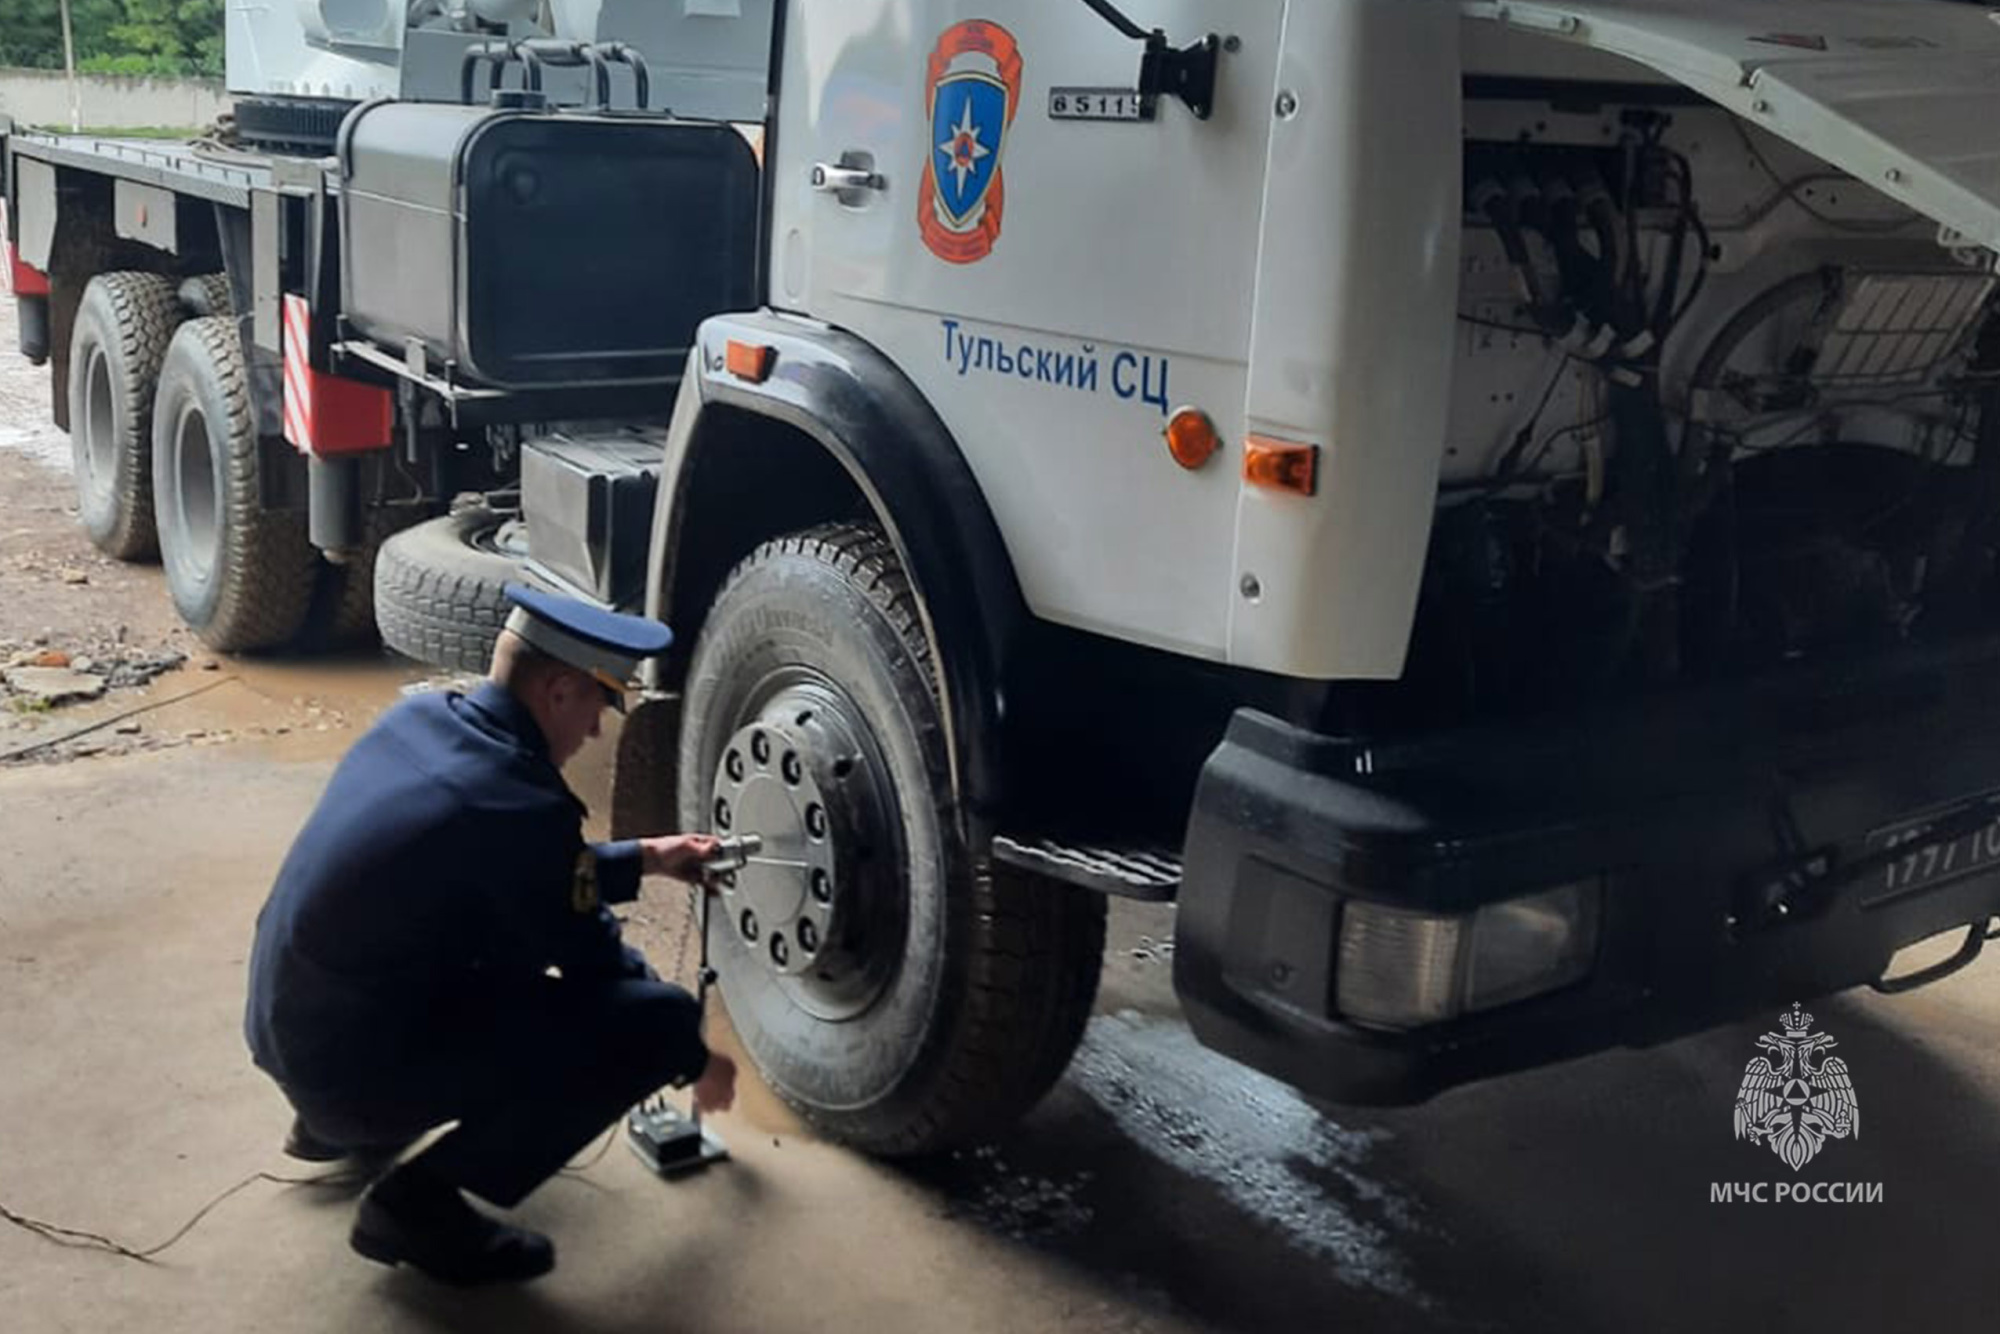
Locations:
{"points": [[307, 1147], [409, 1218], [366, 1161]]}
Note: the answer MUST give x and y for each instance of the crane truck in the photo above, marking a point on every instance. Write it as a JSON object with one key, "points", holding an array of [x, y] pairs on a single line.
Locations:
{"points": [[1489, 507]]}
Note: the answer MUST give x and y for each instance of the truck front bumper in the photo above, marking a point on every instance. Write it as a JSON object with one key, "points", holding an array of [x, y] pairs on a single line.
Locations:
{"points": [[1376, 923]]}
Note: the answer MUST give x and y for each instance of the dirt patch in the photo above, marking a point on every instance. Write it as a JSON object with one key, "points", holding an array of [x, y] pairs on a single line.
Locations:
{"points": [[67, 607]]}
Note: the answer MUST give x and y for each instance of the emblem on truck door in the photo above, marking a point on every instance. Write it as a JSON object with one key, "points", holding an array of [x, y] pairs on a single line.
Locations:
{"points": [[1798, 1097], [973, 88]]}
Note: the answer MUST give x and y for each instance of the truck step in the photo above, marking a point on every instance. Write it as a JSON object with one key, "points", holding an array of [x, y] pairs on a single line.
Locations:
{"points": [[1128, 870]]}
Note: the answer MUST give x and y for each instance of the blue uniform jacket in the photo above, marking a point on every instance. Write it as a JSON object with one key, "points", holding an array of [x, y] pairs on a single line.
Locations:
{"points": [[443, 871]]}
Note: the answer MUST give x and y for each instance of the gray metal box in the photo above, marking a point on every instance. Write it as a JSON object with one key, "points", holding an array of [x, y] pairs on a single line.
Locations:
{"points": [[543, 249], [589, 506]]}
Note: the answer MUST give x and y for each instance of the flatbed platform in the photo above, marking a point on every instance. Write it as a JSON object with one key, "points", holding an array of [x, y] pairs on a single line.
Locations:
{"points": [[206, 171]]}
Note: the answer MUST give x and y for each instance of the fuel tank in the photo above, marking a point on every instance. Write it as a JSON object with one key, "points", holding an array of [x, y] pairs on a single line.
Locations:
{"points": [[531, 248]]}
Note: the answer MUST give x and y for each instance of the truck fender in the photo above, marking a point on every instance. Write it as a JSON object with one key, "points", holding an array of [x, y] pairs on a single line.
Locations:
{"points": [[850, 399]]}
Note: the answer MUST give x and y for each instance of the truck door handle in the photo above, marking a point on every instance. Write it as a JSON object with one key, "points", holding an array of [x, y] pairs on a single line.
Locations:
{"points": [[846, 182]]}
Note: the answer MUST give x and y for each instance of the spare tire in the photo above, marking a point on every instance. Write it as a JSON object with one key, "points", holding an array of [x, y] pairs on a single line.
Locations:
{"points": [[438, 586]]}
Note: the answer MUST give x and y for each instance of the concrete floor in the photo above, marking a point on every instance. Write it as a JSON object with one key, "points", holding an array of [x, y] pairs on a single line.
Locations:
{"points": [[1159, 1187]]}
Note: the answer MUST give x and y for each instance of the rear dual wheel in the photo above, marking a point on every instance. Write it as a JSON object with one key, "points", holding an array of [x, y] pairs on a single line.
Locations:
{"points": [[241, 575], [123, 326]]}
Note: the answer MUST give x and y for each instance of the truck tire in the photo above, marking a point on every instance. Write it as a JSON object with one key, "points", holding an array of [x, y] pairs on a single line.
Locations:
{"points": [[123, 326], [344, 614], [895, 990], [241, 576], [438, 587], [207, 294]]}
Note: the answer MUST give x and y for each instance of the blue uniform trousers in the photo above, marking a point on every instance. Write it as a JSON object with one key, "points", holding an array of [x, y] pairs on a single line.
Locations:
{"points": [[530, 1080]]}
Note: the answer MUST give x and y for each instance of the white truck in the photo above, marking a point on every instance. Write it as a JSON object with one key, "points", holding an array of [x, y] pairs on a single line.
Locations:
{"points": [[1491, 506]]}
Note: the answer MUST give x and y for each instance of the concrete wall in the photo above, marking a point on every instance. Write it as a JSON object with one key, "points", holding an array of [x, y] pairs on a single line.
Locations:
{"points": [[41, 97]]}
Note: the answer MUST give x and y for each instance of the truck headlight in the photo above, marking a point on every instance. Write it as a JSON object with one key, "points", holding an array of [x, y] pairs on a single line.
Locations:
{"points": [[1399, 969]]}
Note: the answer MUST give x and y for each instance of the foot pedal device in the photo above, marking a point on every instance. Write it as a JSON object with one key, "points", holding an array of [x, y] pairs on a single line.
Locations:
{"points": [[672, 1142]]}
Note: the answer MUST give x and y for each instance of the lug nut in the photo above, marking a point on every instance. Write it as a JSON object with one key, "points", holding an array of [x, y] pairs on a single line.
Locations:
{"points": [[722, 815], [808, 936], [822, 886], [791, 768], [816, 820], [760, 747], [781, 953], [733, 766], [747, 924]]}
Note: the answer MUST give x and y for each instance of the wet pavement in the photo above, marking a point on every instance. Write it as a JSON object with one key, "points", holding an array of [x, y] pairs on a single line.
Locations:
{"points": [[1159, 1187]]}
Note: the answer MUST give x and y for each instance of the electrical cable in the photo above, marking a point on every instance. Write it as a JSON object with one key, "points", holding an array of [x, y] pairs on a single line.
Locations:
{"points": [[1525, 435], [82, 1240], [580, 1167], [1521, 329], [1789, 189], [102, 723]]}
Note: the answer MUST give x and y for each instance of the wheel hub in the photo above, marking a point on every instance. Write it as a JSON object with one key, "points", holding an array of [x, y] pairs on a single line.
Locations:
{"points": [[807, 908], [194, 481], [100, 424]]}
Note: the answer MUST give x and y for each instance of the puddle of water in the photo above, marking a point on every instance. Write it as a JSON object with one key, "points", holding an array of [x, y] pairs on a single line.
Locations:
{"points": [[300, 710], [1267, 1151], [44, 444], [1039, 1206]]}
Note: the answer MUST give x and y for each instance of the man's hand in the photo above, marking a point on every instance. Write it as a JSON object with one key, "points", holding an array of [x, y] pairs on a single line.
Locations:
{"points": [[677, 855], [715, 1091]]}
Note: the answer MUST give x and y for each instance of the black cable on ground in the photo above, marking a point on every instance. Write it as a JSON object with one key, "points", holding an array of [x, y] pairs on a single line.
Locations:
{"points": [[577, 1169], [79, 1239], [48, 743]]}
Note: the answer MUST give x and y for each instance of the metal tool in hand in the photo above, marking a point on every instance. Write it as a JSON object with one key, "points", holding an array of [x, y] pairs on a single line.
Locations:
{"points": [[732, 854]]}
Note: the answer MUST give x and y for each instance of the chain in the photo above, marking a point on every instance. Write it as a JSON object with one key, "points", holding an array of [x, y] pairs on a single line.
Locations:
{"points": [[690, 923]]}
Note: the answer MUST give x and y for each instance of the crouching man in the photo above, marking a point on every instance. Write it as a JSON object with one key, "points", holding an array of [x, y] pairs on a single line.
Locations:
{"points": [[437, 949]]}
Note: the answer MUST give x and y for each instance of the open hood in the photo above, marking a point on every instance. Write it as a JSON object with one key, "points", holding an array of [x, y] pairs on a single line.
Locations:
{"points": [[1901, 94]]}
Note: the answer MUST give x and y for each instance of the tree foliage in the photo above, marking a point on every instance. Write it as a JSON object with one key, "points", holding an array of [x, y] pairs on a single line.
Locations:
{"points": [[164, 37]]}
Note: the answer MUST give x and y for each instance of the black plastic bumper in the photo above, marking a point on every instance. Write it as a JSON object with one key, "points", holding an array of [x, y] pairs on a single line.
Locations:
{"points": [[1730, 830]]}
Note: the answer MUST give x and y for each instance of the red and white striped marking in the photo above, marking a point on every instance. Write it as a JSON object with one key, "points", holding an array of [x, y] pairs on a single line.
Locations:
{"points": [[328, 414], [298, 373]]}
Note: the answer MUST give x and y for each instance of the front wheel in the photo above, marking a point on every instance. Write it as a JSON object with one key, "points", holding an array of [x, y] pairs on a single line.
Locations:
{"points": [[898, 993]]}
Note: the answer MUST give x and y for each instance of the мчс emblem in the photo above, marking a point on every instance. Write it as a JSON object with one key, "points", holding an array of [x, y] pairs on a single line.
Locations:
{"points": [[1803, 1100], [973, 88]]}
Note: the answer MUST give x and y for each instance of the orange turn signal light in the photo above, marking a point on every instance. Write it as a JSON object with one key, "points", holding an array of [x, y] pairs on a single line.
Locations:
{"points": [[1191, 438], [1281, 465], [750, 361]]}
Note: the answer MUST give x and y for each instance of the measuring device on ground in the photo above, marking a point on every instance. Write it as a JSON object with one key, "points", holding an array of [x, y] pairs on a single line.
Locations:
{"points": [[672, 1142]]}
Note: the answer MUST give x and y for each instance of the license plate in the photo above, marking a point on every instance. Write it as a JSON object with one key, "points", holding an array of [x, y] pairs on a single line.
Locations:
{"points": [[1924, 861]]}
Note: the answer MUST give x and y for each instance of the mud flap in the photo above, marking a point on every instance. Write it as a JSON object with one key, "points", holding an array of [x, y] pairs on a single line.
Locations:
{"points": [[642, 783]]}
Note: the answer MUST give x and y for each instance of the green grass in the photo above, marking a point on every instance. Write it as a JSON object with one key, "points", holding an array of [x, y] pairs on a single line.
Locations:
{"points": [[181, 132]]}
